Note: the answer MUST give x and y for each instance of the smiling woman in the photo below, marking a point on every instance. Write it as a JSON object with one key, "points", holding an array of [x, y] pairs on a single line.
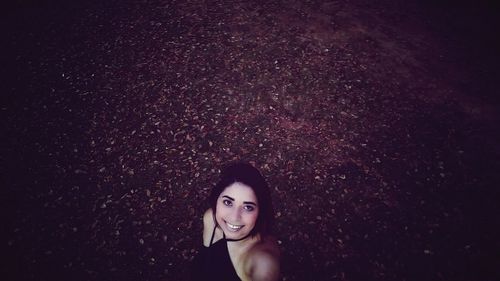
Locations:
{"points": [[237, 239]]}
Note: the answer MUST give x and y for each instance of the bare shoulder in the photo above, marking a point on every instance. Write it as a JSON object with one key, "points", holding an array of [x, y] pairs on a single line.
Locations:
{"points": [[208, 216], [263, 260], [270, 243], [208, 226]]}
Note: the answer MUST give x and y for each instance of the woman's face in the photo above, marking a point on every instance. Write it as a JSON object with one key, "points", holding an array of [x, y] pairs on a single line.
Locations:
{"points": [[237, 210]]}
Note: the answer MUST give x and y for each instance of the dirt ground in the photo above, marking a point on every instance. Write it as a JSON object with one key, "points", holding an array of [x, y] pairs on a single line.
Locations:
{"points": [[375, 123]]}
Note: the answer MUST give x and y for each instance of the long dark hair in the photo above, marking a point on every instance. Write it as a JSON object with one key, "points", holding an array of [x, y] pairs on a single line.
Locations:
{"points": [[247, 174]]}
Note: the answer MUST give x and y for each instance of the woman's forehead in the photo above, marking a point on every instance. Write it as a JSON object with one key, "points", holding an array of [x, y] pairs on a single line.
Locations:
{"points": [[240, 191]]}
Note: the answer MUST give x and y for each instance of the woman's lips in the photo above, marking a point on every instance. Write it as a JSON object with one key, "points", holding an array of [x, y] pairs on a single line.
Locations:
{"points": [[233, 227]]}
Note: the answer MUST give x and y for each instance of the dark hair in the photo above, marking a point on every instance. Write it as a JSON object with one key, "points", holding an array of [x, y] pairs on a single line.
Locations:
{"points": [[248, 175]]}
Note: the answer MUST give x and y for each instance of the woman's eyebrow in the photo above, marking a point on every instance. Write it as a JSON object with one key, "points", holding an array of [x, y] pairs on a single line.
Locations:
{"points": [[250, 203], [230, 198]]}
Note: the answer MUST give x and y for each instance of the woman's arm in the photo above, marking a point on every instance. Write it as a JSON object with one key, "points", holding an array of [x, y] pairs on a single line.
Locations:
{"points": [[263, 261], [208, 227], [265, 266]]}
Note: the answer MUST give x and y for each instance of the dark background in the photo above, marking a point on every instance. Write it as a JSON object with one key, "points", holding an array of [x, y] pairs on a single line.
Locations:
{"points": [[375, 123]]}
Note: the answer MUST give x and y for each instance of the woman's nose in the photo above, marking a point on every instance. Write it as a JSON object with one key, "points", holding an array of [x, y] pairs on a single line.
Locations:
{"points": [[236, 214]]}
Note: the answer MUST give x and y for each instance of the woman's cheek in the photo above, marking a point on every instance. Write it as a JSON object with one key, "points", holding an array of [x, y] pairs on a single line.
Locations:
{"points": [[253, 217]]}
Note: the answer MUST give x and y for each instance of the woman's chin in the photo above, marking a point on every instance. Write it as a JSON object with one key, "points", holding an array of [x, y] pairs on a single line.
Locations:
{"points": [[235, 236]]}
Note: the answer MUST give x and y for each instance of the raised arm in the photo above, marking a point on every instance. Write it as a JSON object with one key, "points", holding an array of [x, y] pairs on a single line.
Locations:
{"points": [[264, 263], [264, 266]]}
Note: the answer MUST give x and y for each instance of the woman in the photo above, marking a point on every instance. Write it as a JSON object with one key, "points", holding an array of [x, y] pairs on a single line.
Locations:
{"points": [[237, 229]]}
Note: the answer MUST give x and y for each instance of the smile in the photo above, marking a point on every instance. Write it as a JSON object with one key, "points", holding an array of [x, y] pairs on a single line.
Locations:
{"points": [[233, 227]]}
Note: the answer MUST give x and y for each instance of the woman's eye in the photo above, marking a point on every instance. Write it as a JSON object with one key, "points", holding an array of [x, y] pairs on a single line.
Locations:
{"points": [[227, 202], [249, 208]]}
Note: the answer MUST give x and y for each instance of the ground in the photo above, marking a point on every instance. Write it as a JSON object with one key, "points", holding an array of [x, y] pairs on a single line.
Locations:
{"points": [[375, 123]]}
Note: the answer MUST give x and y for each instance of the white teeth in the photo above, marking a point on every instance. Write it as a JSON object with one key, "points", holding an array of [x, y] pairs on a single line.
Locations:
{"points": [[234, 227]]}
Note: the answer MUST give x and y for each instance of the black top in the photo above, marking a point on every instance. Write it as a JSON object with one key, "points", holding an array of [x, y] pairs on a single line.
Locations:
{"points": [[213, 262]]}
